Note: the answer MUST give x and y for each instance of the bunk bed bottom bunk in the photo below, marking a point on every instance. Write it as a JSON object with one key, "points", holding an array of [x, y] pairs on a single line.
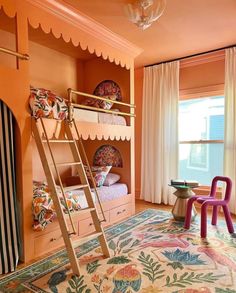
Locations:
{"points": [[117, 205]]}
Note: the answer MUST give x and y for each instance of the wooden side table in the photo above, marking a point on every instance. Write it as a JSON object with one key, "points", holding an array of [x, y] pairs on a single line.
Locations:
{"points": [[183, 192]]}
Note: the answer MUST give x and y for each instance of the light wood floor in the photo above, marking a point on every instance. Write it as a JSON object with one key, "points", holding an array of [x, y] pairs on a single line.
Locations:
{"points": [[142, 205]]}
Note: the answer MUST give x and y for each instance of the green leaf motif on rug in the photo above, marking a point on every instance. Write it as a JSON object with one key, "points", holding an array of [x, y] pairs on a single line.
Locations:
{"points": [[77, 285], [112, 245], [125, 242], [152, 269], [226, 290], [91, 267], [175, 265], [190, 278], [126, 235], [119, 260]]}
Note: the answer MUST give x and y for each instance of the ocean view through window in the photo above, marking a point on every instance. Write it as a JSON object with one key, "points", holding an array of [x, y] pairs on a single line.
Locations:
{"points": [[201, 138]]}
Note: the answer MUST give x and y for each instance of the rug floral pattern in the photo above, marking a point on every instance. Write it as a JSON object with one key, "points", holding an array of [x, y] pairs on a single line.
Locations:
{"points": [[151, 253]]}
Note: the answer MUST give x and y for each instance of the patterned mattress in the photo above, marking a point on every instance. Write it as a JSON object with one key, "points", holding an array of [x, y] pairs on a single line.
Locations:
{"points": [[43, 209]]}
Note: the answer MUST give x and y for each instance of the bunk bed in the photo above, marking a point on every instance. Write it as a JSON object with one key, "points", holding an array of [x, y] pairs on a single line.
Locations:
{"points": [[46, 32], [112, 194]]}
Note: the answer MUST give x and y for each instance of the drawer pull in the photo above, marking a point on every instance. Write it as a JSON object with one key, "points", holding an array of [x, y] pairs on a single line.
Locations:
{"points": [[120, 212], [53, 239]]}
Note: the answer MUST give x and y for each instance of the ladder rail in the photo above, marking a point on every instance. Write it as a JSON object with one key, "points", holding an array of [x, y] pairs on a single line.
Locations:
{"points": [[58, 176], [56, 200], [90, 171]]}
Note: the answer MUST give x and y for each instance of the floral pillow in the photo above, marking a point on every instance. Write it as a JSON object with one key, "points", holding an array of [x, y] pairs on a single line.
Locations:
{"points": [[106, 105], [43, 207], [44, 103], [99, 174]]}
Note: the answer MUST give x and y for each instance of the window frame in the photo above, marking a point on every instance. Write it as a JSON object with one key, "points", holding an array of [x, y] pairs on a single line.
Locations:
{"points": [[199, 93]]}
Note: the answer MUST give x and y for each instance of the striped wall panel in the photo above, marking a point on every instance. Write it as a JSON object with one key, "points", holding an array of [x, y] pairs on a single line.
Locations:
{"points": [[9, 240]]}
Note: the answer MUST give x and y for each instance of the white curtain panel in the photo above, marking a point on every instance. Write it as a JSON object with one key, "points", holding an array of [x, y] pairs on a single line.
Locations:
{"points": [[160, 132], [230, 122]]}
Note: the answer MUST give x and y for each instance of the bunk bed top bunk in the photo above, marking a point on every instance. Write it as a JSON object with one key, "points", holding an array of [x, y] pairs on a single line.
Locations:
{"points": [[92, 122]]}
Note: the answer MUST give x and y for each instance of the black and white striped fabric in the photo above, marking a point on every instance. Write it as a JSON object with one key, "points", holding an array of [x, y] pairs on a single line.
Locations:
{"points": [[9, 240]]}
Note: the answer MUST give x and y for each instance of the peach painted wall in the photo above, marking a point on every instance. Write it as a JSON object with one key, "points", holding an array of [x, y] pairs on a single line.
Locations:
{"points": [[192, 77], [97, 70], [138, 93], [7, 40], [52, 70]]}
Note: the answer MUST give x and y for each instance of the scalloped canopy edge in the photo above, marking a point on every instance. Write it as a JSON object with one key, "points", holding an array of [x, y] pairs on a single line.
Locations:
{"points": [[108, 45]]}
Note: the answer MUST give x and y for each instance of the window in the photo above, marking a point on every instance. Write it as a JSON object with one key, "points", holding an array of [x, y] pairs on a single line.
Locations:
{"points": [[201, 135]]}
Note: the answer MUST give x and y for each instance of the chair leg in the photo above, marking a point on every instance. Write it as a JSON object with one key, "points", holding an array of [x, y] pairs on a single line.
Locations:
{"points": [[214, 215], [228, 219], [188, 214], [204, 220]]}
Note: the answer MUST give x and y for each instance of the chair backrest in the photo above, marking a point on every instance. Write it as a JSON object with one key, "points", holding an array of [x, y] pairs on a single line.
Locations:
{"points": [[228, 189]]}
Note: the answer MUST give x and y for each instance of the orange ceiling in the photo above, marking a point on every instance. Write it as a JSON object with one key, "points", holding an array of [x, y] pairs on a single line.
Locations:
{"points": [[185, 28]]}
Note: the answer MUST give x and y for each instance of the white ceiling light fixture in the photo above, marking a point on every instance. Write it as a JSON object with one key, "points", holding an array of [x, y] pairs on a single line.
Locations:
{"points": [[144, 12]]}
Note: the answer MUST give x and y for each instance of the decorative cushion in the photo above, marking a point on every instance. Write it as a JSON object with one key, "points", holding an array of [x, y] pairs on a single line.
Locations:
{"points": [[106, 105], [44, 103], [43, 207], [111, 179], [99, 174]]}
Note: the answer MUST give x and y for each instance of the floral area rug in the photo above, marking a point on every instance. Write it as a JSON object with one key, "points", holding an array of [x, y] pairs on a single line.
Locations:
{"points": [[150, 253]]}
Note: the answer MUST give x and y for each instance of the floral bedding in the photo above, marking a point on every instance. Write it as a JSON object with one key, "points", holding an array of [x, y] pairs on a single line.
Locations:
{"points": [[43, 208], [44, 103]]}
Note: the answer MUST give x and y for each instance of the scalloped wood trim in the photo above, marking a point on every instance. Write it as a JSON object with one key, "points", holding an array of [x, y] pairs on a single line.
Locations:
{"points": [[90, 130], [82, 31], [9, 7]]}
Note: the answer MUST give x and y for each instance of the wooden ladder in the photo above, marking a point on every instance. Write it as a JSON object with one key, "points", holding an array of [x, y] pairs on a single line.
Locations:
{"points": [[42, 140]]}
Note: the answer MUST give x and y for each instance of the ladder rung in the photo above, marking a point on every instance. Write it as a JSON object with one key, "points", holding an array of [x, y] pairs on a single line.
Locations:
{"points": [[59, 140], [81, 211], [67, 164], [86, 238], [74, 187]]}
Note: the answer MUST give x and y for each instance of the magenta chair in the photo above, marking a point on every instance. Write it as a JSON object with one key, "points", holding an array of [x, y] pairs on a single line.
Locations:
{"points": [[211, 200]]}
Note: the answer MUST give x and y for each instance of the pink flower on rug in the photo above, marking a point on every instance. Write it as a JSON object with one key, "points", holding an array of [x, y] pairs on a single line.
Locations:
{"points": [[95, 278], [110, 270]]}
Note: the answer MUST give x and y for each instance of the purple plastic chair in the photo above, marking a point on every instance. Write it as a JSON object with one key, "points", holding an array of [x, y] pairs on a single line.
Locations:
{"points": [[211, 201]]}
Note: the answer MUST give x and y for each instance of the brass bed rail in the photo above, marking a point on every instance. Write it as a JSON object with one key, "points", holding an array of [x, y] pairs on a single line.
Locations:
{"points": [[79, 106], [13, 53]]}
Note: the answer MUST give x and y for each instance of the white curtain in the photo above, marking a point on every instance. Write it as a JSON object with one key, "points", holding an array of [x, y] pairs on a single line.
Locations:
{"points": [[230, 122], [160, 132]]}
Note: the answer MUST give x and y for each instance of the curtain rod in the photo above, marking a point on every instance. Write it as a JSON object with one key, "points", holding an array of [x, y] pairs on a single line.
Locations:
{"points": [[190, 56]]}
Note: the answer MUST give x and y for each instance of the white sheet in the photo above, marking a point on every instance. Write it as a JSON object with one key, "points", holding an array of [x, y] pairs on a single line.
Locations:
{"points": [[96, 117]]}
